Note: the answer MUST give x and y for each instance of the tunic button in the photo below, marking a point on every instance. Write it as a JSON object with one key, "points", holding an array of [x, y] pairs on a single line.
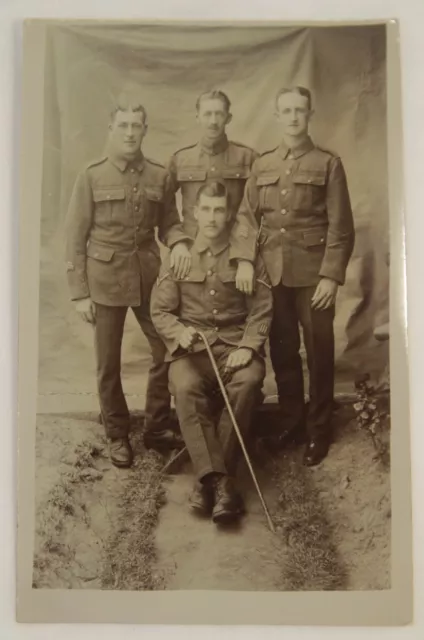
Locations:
{"points": [[134, 189], [309, 180], [288, 172], [138, 227], [215, 311], [237, 175], [212, 292], [108, 196], [290, 157], [136, 208], [96, 255], [283, 230], [212, 168], [210, 272], [209, 254], [132, 170], [216, 328], [283, 211], [284, 192]]}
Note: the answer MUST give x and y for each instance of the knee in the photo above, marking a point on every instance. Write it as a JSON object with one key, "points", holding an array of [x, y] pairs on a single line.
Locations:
{"points": [[250, 377], [183, 382]]}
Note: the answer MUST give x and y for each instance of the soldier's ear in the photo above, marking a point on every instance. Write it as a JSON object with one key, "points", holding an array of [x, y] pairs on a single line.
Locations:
{"points": [[229, 118], [195, 212]]}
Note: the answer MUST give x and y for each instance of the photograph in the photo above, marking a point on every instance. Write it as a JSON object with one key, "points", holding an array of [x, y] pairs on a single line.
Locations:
{"points": [[213, 275]]}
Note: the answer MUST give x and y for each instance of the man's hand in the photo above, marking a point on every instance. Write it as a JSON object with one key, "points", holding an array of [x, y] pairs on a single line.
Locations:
{"points": [[238, 359], [325, 294], [188, 338], [245, 277], [180, 260], [86, 309]]}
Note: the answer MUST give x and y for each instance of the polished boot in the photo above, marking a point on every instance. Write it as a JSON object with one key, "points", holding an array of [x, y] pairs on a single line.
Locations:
{"points": [[228, 501], [162, 441], [316, 450], [201, 500], [120, 452]]}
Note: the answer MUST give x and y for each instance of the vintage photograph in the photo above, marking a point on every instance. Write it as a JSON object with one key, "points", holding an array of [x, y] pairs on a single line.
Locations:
{"points": [[213, 395]]}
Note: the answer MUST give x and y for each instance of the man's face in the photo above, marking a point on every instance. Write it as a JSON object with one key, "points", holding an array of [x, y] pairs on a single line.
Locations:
{"points": [[211, 214], [126, 133], [213, 117], [293, 114]]}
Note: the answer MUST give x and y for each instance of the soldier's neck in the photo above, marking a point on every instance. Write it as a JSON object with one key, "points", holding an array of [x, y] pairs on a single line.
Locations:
{"points": [[214, 145], [293, 142], [212, 243]]}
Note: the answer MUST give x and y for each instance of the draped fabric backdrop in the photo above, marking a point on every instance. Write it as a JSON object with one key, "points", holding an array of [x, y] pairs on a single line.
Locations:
{"points": [[87, 64]]}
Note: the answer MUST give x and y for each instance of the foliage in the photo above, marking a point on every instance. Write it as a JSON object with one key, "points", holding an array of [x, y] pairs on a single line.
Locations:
{"points": [[372, 417]]}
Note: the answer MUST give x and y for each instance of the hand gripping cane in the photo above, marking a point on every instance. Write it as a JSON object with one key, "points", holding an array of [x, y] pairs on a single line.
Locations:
{"points": [[236, 427]]}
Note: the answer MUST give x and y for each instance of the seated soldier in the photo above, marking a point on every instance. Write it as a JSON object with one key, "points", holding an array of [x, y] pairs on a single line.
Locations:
{"points": [[236, 326]]}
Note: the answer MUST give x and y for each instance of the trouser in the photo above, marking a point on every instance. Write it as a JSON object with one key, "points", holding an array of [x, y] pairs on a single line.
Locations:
{"points": [[109, 329], [292, 306], [212, 444]]}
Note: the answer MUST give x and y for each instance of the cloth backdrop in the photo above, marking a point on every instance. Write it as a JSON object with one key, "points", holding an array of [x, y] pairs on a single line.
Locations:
{"points": [[87, 64]]}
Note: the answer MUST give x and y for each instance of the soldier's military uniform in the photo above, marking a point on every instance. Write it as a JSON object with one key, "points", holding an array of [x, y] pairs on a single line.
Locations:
{"points": [[208, 300], [113, 258], [224, 160], [299, 199]]}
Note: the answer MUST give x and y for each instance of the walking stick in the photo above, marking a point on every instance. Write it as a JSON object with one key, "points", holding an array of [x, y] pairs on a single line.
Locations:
{"points": [[236, 428]]}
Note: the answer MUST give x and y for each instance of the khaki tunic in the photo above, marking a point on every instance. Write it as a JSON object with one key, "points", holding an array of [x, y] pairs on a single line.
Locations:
{"points": [[111, 251]]}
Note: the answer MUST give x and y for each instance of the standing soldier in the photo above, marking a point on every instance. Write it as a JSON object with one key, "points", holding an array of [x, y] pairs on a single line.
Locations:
{"points": [[112, 262], [215, 157], [298, 195]]}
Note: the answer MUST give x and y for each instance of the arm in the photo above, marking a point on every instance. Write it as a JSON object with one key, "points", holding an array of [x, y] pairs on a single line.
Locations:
{"points": [[260, 308], [341, 233], [244, 233], [77, 228], [164, 307]]}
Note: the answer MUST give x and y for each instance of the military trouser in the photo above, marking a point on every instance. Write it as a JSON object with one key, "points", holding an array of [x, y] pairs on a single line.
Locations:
{"points": [[212, 442], [292, 306], [109, 329]]}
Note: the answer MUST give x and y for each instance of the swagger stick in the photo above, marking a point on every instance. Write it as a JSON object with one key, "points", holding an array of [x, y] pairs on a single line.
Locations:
{"points": [[236, 428]]}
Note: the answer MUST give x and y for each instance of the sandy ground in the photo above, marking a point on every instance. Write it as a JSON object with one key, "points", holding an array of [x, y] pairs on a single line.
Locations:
{"points": [[354, 501]]}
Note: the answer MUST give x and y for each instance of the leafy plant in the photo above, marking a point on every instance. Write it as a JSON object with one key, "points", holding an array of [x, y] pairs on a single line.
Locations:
{"points": [[372, 417]]}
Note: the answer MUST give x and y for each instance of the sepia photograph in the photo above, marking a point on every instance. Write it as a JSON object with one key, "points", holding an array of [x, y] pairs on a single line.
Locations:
{"points": [[212, 396]]}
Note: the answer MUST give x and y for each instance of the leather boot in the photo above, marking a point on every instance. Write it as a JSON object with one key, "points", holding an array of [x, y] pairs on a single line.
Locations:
{"points": [[161, 441], [316, 450], [201, 499], [228, 502], [120, 452]]}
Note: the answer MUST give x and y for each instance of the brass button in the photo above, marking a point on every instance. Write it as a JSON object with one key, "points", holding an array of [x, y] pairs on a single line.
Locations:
{"points": [[209, 272], [283, 230], [322, 239], [96, 255], [284, 192], [138, 227], [190, 177], [291, 157], [215, 311], [212, 292], [288, 172], [134, 189], [108, 196], [132, 170], [216, 328], [136, 208], [212, 168], [209, 254], [284, 211], [309, 180]]}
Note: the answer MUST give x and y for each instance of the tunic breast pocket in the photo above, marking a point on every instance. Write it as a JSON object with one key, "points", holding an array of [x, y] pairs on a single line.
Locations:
{"points": [[109, 203], [235, 178], [309, 190], [268, 192]]}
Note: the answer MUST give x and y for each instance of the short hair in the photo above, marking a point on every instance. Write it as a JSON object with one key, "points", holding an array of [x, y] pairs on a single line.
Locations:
{"points": [[128, 101], [214, 94], [213, 189], [302, 91]]}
